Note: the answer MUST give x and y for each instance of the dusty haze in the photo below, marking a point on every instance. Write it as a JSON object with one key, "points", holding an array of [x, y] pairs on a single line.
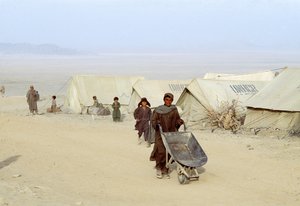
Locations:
{"points": [[18, 72]]}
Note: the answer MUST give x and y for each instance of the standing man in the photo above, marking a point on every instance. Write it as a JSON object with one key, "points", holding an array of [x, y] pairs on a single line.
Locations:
{"points": [[168, 118], [32, 98]]}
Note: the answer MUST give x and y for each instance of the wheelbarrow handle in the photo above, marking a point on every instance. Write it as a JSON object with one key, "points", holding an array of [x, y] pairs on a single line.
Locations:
{"points": [[160, 128], [184, 127]]}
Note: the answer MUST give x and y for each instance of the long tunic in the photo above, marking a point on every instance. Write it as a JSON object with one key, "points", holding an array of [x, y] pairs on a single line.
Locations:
{"points": [[169, 120], [142, 116], [31, 100], [116, 114]]}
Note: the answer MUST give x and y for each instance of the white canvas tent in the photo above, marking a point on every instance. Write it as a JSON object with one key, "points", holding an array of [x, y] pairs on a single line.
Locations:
{"points": [[154, 91], [278, 104], [202, 95], [258, 76], [83, 87]]}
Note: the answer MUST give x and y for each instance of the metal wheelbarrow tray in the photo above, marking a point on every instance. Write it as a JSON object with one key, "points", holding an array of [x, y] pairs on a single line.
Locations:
{"points": [[184, 149]]}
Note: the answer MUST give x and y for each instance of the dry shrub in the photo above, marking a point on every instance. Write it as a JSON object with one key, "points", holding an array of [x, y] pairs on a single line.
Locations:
{"points": [[229, 116]]}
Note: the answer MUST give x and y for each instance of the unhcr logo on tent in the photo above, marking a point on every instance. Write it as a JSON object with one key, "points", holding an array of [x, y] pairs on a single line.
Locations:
{"points": [[244, 88], [177, 87]]}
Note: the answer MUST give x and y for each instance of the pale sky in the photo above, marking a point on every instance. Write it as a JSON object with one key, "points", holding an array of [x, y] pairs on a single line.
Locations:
{"points": [[153, 25]]}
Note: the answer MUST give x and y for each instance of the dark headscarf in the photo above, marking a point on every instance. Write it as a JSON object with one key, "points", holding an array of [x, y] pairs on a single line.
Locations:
{"points": [[144, 99]]}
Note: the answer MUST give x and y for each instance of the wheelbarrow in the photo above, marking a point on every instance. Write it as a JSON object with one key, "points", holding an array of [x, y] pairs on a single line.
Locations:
{"points": [[183, 149]]}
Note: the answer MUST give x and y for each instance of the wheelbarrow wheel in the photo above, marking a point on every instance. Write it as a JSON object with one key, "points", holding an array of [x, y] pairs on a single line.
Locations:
{"points": [[183, 179]]}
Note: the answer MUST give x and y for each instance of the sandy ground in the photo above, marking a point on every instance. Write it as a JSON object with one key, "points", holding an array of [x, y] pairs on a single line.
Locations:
{"points": [[69, 159]]}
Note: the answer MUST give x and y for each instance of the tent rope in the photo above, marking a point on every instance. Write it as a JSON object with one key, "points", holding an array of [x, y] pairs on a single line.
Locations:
{"points": [[56, 93]]}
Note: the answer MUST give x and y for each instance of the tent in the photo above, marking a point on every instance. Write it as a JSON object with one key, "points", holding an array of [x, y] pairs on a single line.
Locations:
{"points": [[154, 91], [258, 76], [203, 95], [83, 87], [277, 105]]}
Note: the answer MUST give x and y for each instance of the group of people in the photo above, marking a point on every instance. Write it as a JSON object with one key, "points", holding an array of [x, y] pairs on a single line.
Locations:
{"points": [[164, 118], [101, 110], [98, 109], [33, 96]]}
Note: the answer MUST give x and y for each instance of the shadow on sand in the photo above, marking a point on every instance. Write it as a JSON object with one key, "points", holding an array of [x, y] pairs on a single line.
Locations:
{"points": [[8, 161]]}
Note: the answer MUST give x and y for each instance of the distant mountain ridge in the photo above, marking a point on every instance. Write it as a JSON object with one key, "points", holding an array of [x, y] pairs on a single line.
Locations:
{"points": [[42, 49]]}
